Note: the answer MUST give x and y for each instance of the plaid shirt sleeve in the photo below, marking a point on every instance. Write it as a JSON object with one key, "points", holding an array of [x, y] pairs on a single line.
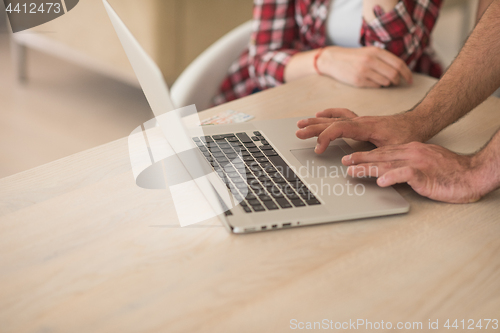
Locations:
{"points": [[274, 40], [405, 31]]}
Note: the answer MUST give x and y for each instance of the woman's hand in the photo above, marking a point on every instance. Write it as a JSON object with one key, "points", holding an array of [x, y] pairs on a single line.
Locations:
{"points": [[367, 67]]}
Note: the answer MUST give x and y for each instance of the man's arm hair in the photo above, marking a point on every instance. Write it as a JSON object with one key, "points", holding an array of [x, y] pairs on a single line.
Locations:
{"points": [[481, 8], [472, 77], [487, 161]]}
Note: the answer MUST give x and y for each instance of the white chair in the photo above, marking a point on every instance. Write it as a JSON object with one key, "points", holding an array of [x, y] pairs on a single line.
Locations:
{"points": [[200, 81]]}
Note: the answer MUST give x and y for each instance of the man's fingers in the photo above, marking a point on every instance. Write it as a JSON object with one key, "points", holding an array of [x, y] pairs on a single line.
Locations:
{"points": [[341, 129], [374, 169], [313, 121], [406, 174], [396, 63], [311, 131], [336, 113], [382, 154]]}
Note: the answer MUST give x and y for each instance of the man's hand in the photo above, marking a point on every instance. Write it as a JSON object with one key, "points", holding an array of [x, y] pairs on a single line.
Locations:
{"points": [[432, 171], [332, 124]]}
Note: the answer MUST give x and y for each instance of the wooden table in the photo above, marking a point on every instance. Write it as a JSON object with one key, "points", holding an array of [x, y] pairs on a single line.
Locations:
{"points": [[82, 249]]}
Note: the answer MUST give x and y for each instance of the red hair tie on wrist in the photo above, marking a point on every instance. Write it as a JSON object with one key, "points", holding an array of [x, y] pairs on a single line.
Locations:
{"points": [[318, 54]]}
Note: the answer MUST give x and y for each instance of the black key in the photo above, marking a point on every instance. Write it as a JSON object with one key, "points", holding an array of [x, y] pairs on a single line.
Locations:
{"points": [[258, 208], [265, 197], [248, 159], [264, 142], [237, 180], [243, 137], [313, 202], [229, 168], [281, 165], [257, 133], [230, 135], [264, 178], [195, 139], [258, 155], [245, 153], [270, 170], [250, 145], [233, 139], [209, 158], [250, 196], [261, 137], [279, 180], [266, 147], [231, 156], [291, 196], [218, 137], [203, 149], [283, 203], [208, 138], [207, 154], [254, 202], [224, 145], [254, 150], [277, 195], [270, 205], [228, 150], [247, 209], [218, 154], [298, 203], [215, 164], [255, 138], [222, 160], [200, 144], [242, 203], [233, 175], [242, 186], [270, 152], [262, 160], [238, 163], [236, 143]]}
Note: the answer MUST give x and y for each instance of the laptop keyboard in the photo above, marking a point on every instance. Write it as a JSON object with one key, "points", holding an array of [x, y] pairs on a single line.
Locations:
{"points": [[261, 179]]}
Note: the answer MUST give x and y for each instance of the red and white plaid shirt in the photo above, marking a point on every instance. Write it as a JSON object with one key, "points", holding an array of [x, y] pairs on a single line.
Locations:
{"points": [[282, 28]]}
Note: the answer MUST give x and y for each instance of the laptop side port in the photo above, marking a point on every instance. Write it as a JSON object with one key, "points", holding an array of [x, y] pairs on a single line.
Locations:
{"points": [[275, 226], [263, 227], [286, 225]]}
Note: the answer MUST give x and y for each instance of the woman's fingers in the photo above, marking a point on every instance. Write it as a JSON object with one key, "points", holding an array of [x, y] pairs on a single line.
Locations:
{"points": [[379, 79], [387, 71], [397, 63], [336, 113]]}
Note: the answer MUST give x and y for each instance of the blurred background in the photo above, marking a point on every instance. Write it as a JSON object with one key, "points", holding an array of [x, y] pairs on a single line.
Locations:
{"points": [[66, 86]]}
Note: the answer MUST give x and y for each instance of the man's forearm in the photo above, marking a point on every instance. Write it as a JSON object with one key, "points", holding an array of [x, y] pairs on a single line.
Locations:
{"points": [[472, 77]]}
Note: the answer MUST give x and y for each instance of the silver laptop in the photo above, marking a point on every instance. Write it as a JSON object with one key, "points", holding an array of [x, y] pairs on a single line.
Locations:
{"points": [[256, 176]]}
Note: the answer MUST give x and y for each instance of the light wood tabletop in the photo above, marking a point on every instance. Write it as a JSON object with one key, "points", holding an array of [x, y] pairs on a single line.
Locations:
{"points": [[83, 249]]}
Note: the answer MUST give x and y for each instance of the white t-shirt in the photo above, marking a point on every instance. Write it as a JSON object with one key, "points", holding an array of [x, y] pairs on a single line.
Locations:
{"points": [[343, 25]]}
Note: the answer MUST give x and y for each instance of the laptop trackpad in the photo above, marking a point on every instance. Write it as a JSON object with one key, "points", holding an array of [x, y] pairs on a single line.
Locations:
{"points": [[320, 166]]}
